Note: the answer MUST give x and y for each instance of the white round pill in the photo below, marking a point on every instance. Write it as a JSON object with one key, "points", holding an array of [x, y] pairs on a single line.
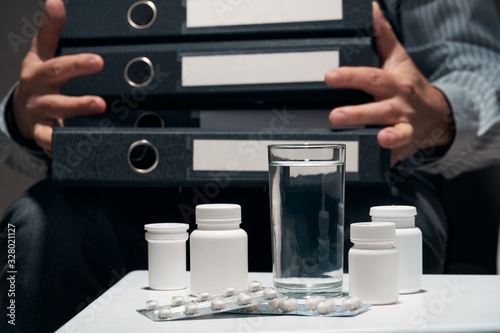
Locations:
{"points": [[177, 301], [323, 308], [228, 292], [288, 305], [330, 302], [274, 303], [351, 303], [244, 299], [165, 312], [311, 302], [192, 309], [253, 308], [270, 293], [254, 286], [152, 305], [202, 297], [218, 304]]}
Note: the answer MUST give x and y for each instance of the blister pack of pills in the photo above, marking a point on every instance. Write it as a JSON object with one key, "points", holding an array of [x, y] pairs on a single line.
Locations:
{"points": [[318, 306], [205, 304]]}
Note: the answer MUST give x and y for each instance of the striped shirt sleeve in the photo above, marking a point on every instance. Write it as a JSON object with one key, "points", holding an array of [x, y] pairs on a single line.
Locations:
{"points": [[456, 45], [13, 155]]}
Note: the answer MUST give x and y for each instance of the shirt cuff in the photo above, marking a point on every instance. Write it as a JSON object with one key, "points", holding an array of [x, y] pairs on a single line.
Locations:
{"points": [[3, 106], [466, 125], [11, 129]]}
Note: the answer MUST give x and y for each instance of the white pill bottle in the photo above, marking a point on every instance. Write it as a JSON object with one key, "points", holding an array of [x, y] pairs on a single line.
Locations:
{"points": [[408, 242], [167, 255], [373, 263], [218, 249]]}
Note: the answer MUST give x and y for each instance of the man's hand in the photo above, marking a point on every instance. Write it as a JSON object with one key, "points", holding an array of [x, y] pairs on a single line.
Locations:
{"points": [[38, 106], [417, 114]]}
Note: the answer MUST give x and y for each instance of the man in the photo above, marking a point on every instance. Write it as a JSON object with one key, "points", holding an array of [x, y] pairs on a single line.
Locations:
{"points": [[436, 97]]}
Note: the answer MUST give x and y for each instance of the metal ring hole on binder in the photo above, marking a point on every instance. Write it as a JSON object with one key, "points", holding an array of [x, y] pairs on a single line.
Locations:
{"points": [[142, 156], [142, 14], [139, 72], [149, 119]]}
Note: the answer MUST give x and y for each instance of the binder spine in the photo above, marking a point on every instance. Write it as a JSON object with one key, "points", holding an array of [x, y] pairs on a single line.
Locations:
{"points": [[177, 157], [218, 73], [94, 22]]}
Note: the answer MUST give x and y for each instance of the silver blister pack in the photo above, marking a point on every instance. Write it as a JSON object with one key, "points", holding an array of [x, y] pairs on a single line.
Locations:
{"points": [[256, 301], [205, 304], [302, 310]]}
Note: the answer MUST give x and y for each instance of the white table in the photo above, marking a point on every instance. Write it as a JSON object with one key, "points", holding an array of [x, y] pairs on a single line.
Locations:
{"points": [[449, 303]]}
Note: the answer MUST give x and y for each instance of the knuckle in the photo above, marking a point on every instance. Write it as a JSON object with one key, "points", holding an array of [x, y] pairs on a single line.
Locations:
{"points": [[78, 64], [47, 106], [81, 64], [26, 76], [56, 69], [32, 105], [38, 134], [345, 74], [407, 87], [75, 66], [389, 111], [374, 77], [82, 103]]}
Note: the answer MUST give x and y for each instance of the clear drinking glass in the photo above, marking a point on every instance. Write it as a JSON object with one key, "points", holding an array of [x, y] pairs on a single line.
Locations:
{"points": [[306, 189]]}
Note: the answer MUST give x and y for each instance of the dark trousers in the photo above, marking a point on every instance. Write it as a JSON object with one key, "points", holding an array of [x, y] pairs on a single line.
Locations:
{"points": [[71, 244]]}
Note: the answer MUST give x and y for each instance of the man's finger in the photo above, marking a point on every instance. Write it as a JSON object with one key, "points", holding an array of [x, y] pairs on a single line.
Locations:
{"points": [[373, 81], [386, 112], [59, 106], [42, 134], [46, 40], [395, 136], [56, 71], [390, 50], [48, 152]]}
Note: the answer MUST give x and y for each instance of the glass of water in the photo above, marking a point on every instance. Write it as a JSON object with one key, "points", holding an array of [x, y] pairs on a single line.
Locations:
{"points": [[306, 188]]}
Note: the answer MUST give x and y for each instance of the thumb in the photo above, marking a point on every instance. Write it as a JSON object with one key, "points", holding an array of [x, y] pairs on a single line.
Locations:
{"points": [[47, 38], [390, 50]]}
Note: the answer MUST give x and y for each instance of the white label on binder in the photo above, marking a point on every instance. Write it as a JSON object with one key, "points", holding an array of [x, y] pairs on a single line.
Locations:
{"points": [[216, 13], [262, 68], [257, 119], [251, 155]]}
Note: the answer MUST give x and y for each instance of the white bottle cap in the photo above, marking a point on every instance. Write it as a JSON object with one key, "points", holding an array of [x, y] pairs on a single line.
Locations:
{"points": [[373, 232], [402, 216], [166, 231], [218, 215]]}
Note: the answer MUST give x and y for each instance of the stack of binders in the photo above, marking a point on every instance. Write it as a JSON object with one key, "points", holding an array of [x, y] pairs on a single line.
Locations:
{"points": [[197, 89]]}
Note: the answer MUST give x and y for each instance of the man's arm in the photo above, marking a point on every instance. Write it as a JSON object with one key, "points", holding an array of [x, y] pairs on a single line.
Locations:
{"points": [[457, 46], [405, 101], [416, 94]]}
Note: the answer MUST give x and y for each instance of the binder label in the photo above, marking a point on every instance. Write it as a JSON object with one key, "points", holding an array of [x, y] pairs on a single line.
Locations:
{"points": [[216, 13], [251, 155], [262, 68]]}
